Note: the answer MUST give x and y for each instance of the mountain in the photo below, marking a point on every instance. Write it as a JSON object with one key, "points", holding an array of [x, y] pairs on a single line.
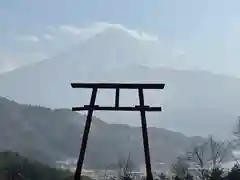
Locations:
{"points": [[194, 102], [49, 135]]}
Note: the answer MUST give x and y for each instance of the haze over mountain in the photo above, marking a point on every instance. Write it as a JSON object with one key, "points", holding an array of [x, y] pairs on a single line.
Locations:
{"points": [[194, 102]]}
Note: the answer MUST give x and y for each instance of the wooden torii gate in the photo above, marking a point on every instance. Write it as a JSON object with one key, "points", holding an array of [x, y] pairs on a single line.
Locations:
{"points": [[91, 107]]}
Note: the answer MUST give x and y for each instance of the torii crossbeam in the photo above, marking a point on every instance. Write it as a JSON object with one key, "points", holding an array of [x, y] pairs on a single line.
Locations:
{"points": [[91, 107]]}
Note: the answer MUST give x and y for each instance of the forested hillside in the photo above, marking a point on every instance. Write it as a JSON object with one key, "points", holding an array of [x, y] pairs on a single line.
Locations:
{"points": [[49, 135]]}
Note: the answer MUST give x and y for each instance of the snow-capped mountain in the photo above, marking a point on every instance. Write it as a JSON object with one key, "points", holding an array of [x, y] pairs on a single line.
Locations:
{"points": [[196, 103]]}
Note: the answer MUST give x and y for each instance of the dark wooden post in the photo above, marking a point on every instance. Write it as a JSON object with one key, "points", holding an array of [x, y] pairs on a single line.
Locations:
{"points": [[117, 98], [78, 172], [145, 135]]}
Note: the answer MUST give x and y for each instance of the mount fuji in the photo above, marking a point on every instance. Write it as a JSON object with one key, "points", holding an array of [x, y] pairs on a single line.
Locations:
{"points": [[194, 102]]}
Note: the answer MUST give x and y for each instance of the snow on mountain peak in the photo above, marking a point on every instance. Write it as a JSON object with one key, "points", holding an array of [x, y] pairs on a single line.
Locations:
{"points": [[100, 27], [134, 33]]}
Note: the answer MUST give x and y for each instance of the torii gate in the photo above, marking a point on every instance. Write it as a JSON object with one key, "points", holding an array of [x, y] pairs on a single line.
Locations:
{"points": [[91, 107]]}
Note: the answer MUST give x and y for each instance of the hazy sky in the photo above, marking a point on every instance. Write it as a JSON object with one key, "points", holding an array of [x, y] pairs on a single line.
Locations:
{"points": [[203, 34]]}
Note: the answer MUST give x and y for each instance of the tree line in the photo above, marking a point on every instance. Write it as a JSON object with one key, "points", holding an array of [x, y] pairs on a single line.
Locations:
{"points": [[15, 167]]}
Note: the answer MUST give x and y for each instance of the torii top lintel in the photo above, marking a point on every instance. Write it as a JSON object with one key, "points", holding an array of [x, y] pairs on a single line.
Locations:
{"points": [[118, 85]]}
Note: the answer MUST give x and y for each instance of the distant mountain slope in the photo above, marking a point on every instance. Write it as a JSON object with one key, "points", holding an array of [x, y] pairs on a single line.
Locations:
{"points": [[49, 135], [194, 102]]}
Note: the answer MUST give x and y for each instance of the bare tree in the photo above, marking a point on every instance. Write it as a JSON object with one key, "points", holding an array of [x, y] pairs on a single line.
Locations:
{"points": [[105, 171], [235, 146], [207, 156], [108, 167], [196, 157], [180, 168], [126, 166]]}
